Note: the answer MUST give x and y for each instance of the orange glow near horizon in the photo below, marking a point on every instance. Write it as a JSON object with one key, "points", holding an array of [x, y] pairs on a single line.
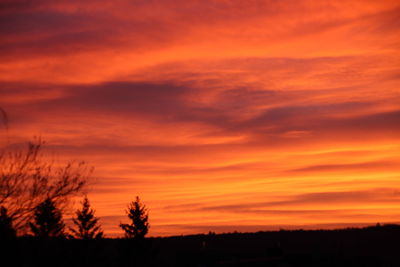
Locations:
{"points": [[221, 115]]}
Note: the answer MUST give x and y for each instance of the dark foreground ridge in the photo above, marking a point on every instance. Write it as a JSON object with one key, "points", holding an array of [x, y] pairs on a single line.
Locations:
{"points": [[376, 246]]}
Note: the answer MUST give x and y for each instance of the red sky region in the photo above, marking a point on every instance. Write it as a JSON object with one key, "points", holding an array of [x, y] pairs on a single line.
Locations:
{"points": [[221, 115]]}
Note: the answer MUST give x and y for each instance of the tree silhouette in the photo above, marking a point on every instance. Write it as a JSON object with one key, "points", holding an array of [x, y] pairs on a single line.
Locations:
{"points": [[48, 222], [6, 225], [86, 223], [28, 177], [138, 214]]}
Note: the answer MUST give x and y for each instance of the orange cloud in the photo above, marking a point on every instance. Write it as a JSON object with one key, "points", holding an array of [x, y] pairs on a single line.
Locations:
{"points": [[221, 115]]}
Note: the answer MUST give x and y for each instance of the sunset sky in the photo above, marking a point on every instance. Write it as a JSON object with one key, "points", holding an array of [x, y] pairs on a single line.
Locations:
{"points": [[221, 115]]}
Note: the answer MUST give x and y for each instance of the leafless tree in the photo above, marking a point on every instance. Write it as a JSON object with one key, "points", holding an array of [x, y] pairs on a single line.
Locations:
{"points": [[27, 178]]}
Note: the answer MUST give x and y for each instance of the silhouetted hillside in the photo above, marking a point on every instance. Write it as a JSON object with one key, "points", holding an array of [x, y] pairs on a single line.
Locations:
{"points": [[371, 246]]}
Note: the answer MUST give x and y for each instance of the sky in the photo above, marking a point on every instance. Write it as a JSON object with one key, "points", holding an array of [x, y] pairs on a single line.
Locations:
{"points": [[220, 115]]}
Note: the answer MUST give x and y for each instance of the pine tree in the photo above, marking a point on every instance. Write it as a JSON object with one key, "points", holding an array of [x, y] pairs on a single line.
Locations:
{"points": [[7, 231], [138, 214], [86, 223], [48, 222]]}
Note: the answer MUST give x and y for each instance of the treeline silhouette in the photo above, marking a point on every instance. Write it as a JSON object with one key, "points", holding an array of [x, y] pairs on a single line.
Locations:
{"points": [[368, 247], [48, 222]]}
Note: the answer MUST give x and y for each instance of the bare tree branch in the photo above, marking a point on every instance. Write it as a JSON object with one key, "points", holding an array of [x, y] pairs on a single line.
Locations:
{"points": [[27, 178]]}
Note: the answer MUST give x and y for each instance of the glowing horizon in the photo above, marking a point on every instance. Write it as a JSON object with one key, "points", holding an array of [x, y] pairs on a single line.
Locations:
{"points": [[221, 115]]}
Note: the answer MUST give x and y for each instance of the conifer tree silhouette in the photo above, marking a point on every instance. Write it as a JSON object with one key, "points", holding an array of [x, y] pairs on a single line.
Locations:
{"points": [[86, 222], [7, 231], [48, 222], [138, 214]]}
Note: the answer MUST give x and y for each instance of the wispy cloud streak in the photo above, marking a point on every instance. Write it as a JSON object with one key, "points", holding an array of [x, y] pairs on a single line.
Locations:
{"points": [[235, 115]]}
